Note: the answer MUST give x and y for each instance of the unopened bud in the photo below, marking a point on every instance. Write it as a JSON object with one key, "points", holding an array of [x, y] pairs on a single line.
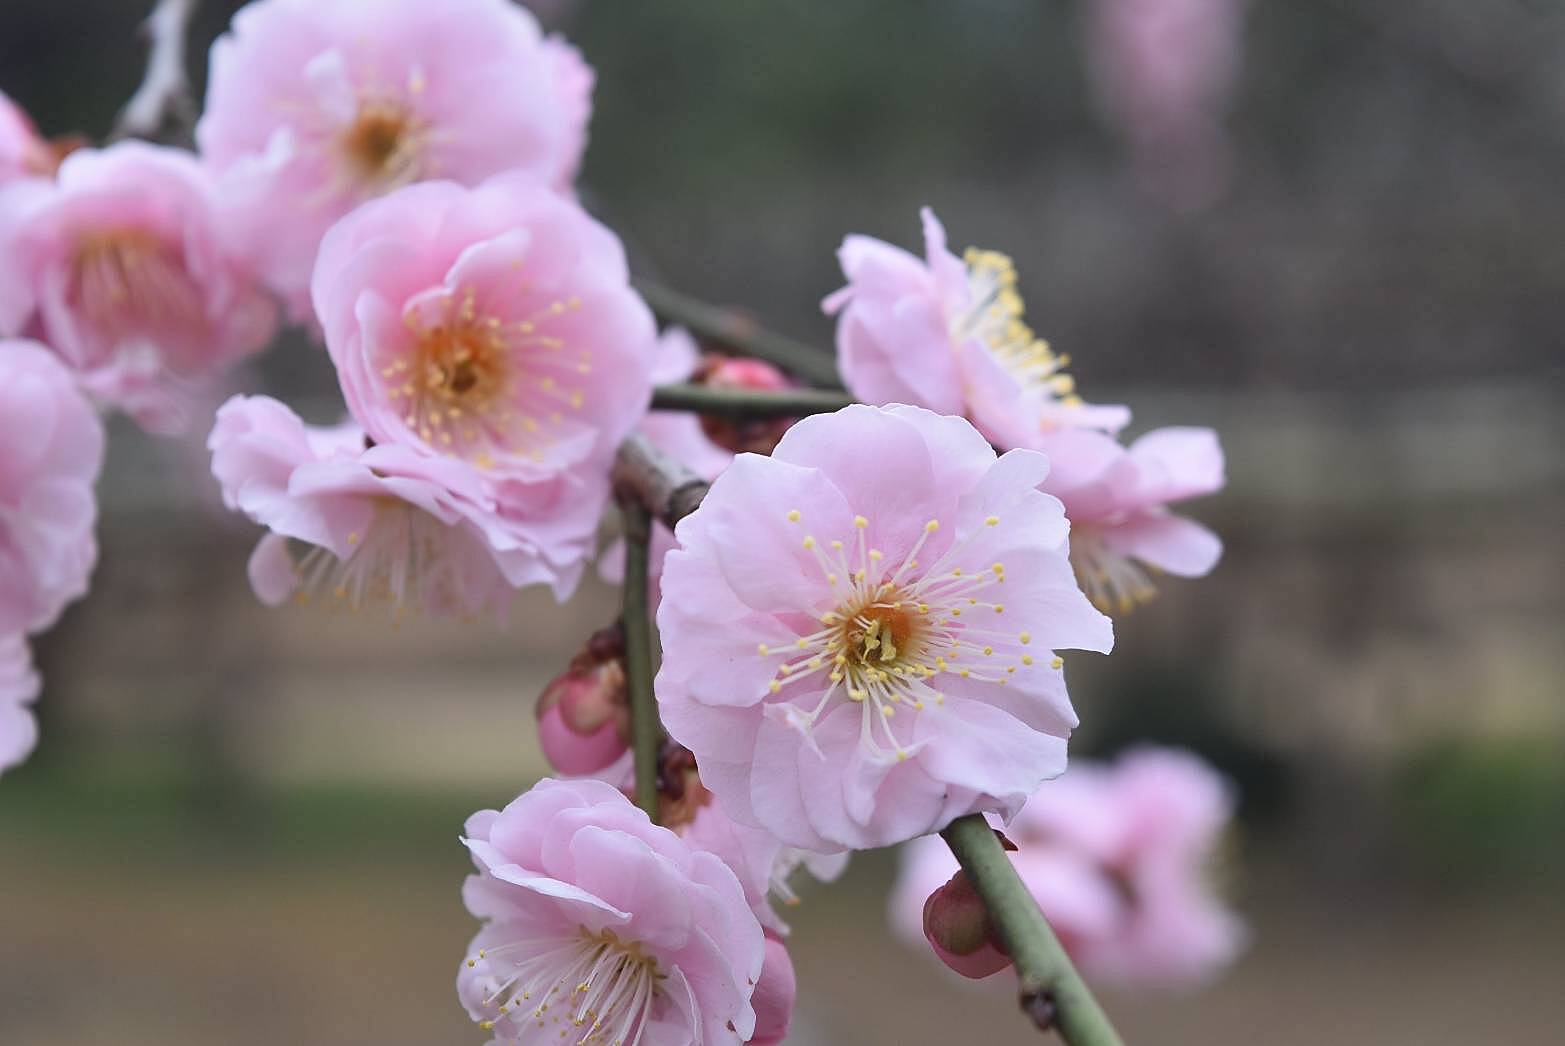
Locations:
{"points": [[759, 435], [584, 713], [774, 994], [960, 931]]}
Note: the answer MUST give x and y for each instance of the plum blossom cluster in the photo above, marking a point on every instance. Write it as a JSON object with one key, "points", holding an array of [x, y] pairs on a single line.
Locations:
{"points": [[949, 334], [863, 624], [1120, 857]]}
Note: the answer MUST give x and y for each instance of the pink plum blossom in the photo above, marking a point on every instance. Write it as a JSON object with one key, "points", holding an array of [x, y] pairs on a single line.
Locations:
{"points": [[494, 326], [1117, 500], [23, 152], [383, 525], [1164, 72], [947, 334], [1118, 856], [603, 927], [314, 106], [51, 450], [18, 690], [121, 268], [859, 630]]}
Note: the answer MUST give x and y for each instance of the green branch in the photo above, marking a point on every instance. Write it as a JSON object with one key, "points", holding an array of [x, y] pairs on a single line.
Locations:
{"points": [[741, 334], [646, 731], [1052, 992], [748, 403]]}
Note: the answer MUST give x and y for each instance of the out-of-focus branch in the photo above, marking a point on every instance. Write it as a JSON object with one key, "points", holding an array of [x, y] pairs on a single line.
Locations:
{"points": [[1053, 994], [646, 732], [162, 107], [748, 403], [661, 485], [741, 334]]}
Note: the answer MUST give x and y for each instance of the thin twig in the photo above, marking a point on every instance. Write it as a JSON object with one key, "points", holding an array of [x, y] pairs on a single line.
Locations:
{"points": [[1052, 992], [667, 489], [741, 334], [646, 732], [162, 107], [748, 403]]}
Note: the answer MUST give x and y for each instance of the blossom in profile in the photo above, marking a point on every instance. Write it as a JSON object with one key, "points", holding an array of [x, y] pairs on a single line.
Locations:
{"points": [[859, 631], [51, 450], [121, 268], [369, 527], [1120, 857], [1117, 499], [314, 106], [23, 151], [601, 927], [494, 326], [947, 333], [1164, 73], [18, 690]]}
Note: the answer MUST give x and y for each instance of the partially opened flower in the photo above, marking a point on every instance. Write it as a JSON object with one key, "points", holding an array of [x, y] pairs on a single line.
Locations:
{"points": [[859, 631], [51, 449], [1119, 857], [315, 106], [381, 526], [121, 268], [1117, 500], [494, 326], [18, 690], [947, 334], [603, 928]]}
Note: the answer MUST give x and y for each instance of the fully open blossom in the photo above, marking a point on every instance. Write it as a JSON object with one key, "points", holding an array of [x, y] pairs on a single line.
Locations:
{"points": [[947, 334], [494, 326], [120, 267], [603, 928], [384, 526], [1118, 857], [314, 106], [18, 690], [859, 631], [1117, 500], [51, 449], [1164, 73]]}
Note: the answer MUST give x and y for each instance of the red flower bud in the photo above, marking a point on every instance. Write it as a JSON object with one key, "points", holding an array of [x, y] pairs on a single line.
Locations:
{"points": [[959, 929]]}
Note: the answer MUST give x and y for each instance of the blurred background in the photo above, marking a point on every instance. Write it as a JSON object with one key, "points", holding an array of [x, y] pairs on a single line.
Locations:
{"points": [[241, 826]]}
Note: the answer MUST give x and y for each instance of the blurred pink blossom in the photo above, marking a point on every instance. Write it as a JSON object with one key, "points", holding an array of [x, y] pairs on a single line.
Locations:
{"points": [[947, 334], [1117, 500], [1118, 857], [858, 631], [1164, 73], [51, 450], [389, 527], [23, 152], [314, 106], [494, 326], [120, 267], [600, 924], [18, 690]]}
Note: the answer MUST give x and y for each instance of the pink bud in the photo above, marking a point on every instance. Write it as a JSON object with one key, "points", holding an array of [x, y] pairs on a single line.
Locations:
{"points": [[774, 994], [741, 372], [583, 715], [958, 928]]}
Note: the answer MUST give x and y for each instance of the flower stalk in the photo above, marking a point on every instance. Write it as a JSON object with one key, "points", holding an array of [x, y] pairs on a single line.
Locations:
{"points": [[646, 732], [1052, 993], [741, 404], [741, 334]]}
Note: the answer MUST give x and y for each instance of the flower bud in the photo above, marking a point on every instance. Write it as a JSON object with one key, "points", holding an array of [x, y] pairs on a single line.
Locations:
{"points": [[759, 435], [774, 994], [959, 929], [584, 714]]}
